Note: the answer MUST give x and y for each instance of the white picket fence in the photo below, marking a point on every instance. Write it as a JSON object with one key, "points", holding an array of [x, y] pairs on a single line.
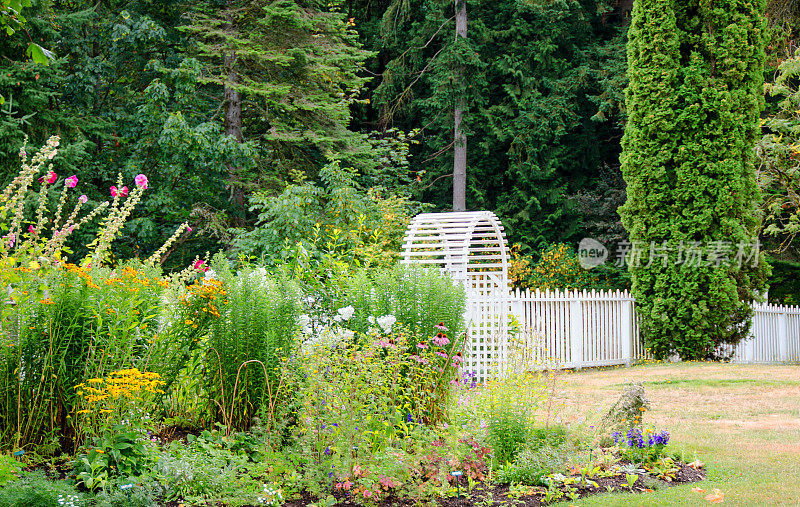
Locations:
{"points": [[576, 329]]}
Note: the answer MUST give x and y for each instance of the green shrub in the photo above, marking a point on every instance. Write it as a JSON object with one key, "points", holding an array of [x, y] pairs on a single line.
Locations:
{"points": [[9, 469], [35, 489], [140, 491], [92, 322], [418, 298], [534, 463], [507, 435], [249, 341]]}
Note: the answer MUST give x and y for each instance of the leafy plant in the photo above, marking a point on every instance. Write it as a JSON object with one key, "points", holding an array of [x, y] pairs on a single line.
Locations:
{"points": [[117, 452], [628, 411], [35, 489], [639, 446], [9, 469]]}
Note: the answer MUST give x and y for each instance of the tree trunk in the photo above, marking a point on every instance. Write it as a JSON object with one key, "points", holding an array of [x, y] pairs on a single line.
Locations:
{"points": [[459, 138]]}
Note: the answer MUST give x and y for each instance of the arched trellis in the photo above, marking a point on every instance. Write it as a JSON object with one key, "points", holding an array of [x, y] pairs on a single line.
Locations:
{"points": [[472, 248]]}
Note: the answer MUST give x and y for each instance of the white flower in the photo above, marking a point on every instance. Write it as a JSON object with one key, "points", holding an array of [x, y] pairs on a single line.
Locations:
{"points": [[337, 318], [371, 320], [210, 275], [348, 334], [305, 323], [346, 312], [386, 322]]}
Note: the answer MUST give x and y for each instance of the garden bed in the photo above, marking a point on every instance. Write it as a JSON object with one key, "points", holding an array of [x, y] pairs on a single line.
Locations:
{"points": [[526, 496]]}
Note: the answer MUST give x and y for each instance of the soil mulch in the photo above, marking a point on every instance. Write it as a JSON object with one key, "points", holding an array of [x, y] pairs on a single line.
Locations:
{"points": [[500, 495]]}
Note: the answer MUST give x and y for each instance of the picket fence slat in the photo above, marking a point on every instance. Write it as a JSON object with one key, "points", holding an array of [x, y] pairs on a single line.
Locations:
{"points": [[576, 329]]}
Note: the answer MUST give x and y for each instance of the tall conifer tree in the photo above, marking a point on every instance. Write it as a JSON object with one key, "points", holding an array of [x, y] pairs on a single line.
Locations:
{"points": [[693, 101]]}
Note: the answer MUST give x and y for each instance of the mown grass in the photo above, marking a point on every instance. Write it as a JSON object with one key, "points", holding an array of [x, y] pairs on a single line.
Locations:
{"points": [[742, 421]]}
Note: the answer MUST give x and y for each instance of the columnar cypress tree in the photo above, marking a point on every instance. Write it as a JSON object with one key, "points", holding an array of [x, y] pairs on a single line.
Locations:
{"points": [[694, 98]]}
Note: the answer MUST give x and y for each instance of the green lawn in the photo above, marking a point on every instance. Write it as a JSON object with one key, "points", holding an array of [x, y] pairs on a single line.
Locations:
{"points": [[743, 421]]}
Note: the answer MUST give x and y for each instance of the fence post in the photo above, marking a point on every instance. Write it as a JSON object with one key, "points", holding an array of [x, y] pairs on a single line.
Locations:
{"points": [[627, 331], [576, 330], [783, 334]]}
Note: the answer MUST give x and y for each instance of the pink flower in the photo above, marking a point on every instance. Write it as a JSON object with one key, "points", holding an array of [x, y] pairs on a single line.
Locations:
{"points": [[123, 191], [11, 239], [440, 340], [32, 229], [113, 191], [346, 485], [83, 199], [188, 228], [422, 345], [441, 327], [50, 178], [367, 493], [141, 181], [200, 265], [71, 182]]}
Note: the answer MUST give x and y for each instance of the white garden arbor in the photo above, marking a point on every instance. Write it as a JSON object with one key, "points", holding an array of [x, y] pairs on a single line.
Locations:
{"points": [[471, 247]]}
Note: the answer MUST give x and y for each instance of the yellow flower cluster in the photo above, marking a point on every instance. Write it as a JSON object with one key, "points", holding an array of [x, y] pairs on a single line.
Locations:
{"points": [[120, 385]]}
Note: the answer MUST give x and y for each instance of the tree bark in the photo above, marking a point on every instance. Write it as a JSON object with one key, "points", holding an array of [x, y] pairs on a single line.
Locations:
{"points": [[459, 138]]}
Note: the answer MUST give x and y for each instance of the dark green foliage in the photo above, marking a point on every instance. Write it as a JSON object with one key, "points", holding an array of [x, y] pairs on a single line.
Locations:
{"points": [[296, 66], [693, 102], [784, 282], [542, 98]]}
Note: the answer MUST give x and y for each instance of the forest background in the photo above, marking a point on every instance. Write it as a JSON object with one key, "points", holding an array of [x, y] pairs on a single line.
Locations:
{"points": [[288, 128]]}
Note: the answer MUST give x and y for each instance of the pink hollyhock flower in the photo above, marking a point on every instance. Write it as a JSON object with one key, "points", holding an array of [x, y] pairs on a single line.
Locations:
{"points": [[123, 191], [71, 182], [32, 229], [188, 228], [51, 178], [141, 181], [113, 191], [11, 239], [83, 199], [200, 265]]}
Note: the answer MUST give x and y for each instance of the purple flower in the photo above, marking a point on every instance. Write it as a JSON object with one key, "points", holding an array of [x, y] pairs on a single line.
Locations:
{"points": [[328, 453]]}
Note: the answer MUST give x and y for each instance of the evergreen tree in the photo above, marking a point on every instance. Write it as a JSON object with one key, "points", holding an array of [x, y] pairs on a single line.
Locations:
{"points": [[540, 112], [290, 70], [695, 71]]}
